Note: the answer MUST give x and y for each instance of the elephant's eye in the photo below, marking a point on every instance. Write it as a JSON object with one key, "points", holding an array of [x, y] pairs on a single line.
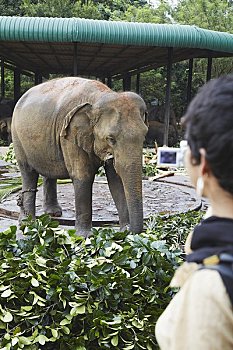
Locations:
{"points": [[111, 140]]}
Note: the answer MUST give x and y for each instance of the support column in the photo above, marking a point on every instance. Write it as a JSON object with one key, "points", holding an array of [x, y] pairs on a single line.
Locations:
{"points": [[17, 91], [168, 97], [75, 60], [109, 82], [209, 69], [2, 79], [127, 82], [138, 84], [190, 77], [38, 78]]}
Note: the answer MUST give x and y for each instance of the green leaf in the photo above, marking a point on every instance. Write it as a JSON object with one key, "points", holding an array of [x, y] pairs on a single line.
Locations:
{"points": [[54, 333], [7, 317], [14, 341], [34, 282], [24, 340], [6, 293], [64, 322], [114, 340], [2, 288], [41, 261], [65, 329], [78, 310], [41, 339], [26, 308]]}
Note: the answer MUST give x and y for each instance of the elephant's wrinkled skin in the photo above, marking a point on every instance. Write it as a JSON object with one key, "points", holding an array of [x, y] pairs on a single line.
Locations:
{"points": [[68, 128]]}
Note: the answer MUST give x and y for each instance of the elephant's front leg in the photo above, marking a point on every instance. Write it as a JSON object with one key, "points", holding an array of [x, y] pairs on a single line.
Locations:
{"points": [[83, 205], [50, 203], [27, 198], [118, 194]]}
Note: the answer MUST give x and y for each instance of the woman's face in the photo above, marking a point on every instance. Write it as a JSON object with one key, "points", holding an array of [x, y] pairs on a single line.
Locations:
{"points": [[192, 169]]}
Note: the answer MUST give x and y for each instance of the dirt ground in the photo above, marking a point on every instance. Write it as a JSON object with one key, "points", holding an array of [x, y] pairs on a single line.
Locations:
{"points": [[158, 198], [168, 195]]}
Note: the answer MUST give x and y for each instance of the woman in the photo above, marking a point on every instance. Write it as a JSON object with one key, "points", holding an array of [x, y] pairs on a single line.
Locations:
{"points": [[200, 315]]}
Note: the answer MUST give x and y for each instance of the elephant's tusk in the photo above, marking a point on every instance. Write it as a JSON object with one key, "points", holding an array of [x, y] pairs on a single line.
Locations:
{"points": [[108, 156]]}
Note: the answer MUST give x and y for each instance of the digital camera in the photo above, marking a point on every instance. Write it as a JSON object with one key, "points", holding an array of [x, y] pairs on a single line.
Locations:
{"points": [[171, 156]]}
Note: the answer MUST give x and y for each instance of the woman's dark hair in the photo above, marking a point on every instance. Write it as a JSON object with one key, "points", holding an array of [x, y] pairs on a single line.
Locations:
{"points": [[209, 125]]}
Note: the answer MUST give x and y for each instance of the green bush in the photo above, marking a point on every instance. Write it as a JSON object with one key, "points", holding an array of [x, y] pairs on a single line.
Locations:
{"points": [[10, 155], [59, 291]]}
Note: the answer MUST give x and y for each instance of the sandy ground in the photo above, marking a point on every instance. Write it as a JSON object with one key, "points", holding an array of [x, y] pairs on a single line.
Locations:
{"points": [[168, 195]]}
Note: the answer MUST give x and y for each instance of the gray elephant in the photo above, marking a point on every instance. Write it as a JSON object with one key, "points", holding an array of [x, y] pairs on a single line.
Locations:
{"points": [[6, 108], [156, 133], [5, 130], [68, 128]]}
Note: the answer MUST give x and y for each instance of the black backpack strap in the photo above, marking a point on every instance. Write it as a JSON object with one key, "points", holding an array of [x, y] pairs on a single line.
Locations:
{"points": [[225, 269]]}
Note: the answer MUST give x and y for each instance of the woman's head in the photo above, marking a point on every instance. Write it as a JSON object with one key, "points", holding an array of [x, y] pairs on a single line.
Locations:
{"points": [[209, 126]]}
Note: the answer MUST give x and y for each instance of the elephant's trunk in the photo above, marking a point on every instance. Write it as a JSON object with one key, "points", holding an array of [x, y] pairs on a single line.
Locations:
{"points": [[131, 176]]}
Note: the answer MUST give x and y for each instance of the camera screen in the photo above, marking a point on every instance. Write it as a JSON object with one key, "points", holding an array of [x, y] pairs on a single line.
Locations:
{"points": [[168, 157]]}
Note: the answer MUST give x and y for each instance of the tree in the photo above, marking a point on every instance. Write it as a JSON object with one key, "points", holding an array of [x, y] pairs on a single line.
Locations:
{"points": [[49, 8], [145, 14], [10, 8], [208, 14], [212, 15]]}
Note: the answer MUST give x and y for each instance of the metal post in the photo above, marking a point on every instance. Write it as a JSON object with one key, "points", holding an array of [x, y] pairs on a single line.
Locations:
{"points": [[38, 78], [190, 77], [168, 97], [209, 68], [109, 82], [16, 84], [127, 82], [138, 84], [2, 79], [75, 60]]}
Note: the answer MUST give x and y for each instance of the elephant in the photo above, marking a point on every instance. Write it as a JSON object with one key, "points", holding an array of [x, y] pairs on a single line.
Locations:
{"points": [[156, 115], [156, 133], [6, 108], [69, 127], [5, 130]]}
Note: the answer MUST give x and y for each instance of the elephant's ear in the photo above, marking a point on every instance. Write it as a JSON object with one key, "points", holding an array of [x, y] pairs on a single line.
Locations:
{"points": [[77, 127], [69, 116]]}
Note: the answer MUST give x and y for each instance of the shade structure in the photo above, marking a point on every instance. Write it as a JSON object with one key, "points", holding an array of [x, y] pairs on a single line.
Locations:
{"points": [[103, 48]]}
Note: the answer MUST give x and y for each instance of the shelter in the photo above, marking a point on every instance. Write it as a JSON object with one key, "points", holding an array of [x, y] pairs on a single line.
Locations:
{"points": [[103, 49]]}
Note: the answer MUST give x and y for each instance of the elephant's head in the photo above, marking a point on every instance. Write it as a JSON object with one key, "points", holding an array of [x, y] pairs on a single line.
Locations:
{"points": [[114, 127]]}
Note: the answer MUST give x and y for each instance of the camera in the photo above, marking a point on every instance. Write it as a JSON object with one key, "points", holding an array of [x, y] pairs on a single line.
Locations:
{"points": [[171, 156]]}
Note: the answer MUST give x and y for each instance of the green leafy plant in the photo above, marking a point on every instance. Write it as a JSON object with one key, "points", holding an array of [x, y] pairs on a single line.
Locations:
{"points": [[149, 165], [10, 155], [59, 291]]}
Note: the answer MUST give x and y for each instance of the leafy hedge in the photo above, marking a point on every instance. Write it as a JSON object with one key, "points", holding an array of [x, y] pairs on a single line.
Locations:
{"points": [[59, 291]]}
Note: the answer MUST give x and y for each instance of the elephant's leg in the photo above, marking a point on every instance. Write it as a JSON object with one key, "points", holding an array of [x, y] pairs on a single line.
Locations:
{"points": [[27, 197], [118, 194], [83, 205], [50, 203]]}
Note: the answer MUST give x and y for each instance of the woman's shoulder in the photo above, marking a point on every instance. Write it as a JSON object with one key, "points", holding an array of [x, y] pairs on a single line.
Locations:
{"points": [[208, 284], [202, 282]]}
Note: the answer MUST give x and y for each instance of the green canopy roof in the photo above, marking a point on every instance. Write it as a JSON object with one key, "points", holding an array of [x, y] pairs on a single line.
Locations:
{"points": [[112, 32], [30, 42]]}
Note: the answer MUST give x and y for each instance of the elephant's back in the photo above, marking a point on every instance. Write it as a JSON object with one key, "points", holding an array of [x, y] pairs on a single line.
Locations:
{"points": [[37, 120], [48, 94]]}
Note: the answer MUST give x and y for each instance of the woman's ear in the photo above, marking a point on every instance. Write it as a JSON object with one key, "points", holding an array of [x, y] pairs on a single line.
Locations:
{"points": [[204, 165]]}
